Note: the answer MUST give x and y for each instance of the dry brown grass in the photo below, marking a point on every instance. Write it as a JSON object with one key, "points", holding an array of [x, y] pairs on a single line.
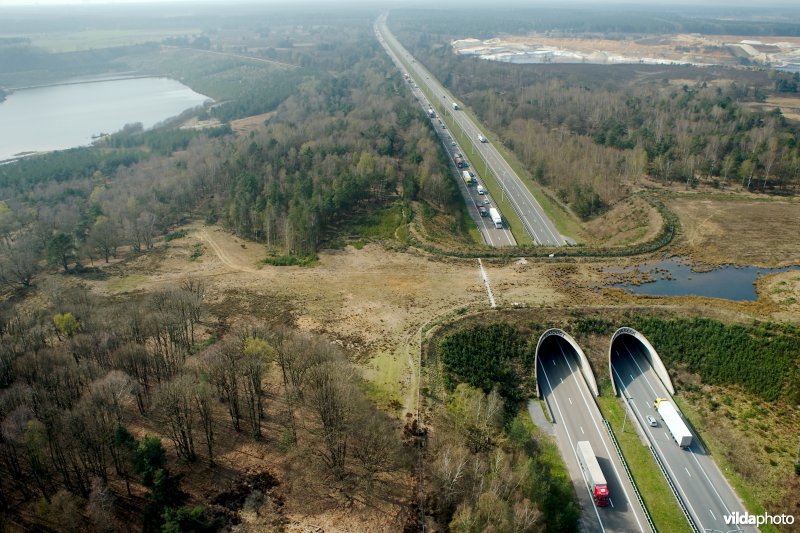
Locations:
{"points": [[739, 231], [630, 221]]}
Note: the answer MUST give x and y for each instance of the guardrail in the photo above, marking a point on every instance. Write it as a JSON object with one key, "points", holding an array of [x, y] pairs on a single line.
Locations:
{"points": [[674, 490], [630, 476]]}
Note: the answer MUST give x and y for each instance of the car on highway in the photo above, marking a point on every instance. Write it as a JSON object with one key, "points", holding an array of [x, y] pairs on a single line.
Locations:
{"points": [[483, 211], [486, 201], [452, 143], [652, 421]]}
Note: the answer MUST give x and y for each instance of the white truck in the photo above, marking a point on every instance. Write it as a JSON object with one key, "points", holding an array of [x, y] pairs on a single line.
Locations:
{"points": [[496, 218], [481, 190], [675, 424], [468, 180], [594, 476], [455, 106]]}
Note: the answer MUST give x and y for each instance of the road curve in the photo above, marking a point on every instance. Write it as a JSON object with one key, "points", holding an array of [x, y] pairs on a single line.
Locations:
{"points": [[533, 217]]}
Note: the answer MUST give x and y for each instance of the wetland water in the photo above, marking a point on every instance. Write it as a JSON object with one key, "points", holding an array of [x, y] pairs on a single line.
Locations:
{"points": [[64, 116], [674, 277]]}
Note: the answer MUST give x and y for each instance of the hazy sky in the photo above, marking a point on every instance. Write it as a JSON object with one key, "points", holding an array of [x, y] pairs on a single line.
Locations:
{"points": [[416, 3]]}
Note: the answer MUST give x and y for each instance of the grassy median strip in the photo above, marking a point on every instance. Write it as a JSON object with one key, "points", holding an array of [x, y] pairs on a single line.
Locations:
{"points": [[657, 496]]}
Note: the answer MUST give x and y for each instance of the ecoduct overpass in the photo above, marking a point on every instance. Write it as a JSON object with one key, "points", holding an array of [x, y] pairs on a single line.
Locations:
{"points": [[624, 343]]}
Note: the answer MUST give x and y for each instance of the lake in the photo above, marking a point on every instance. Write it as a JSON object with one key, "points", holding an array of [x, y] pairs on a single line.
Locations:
{"points": [[64, 116], [675, 277]]}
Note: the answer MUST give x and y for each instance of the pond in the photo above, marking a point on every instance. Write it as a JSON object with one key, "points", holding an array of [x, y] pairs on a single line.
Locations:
{"points": [[63, 116], [675, 277]]}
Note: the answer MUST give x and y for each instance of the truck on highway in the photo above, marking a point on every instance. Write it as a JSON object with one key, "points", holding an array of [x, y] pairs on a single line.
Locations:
{"points": [[675, 424], [455, 106], [468, 180], [459, 162], [594, 476], [431, 112], [496, 218]]}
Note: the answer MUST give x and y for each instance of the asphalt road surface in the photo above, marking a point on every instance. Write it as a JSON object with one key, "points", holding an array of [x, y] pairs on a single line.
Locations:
{"points": [[704, 490], [490, 234], [578, 418], [536, 223]]}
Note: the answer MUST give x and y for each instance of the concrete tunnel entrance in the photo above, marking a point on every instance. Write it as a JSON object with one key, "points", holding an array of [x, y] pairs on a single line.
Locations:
{"points": [[558, 335], [617, 346]]}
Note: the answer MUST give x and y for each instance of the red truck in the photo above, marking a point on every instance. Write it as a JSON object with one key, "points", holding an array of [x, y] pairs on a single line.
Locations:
{"points": [[593, 474]]}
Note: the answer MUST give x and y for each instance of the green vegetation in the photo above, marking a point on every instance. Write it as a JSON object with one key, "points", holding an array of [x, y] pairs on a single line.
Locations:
{"points": [[174, 235], [657, 495], [197, 251], [763, 358], [292, 260], [486, 357]]}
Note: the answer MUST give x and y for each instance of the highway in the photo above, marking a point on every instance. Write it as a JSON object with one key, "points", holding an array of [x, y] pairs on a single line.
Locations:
{"points": [[703, 488], [537, 224], [489, 233], [578, 418]]}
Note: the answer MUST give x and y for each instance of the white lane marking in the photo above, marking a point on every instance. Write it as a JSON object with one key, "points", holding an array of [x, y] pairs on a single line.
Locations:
{"points": [[611, 502], [631, 375], [572, 446], [687, 471], [630, 354], [570, 400], [656, 444], [582, 431], [597, 427], [708, 480], [554, 362], [712, 514], [486, 283]]}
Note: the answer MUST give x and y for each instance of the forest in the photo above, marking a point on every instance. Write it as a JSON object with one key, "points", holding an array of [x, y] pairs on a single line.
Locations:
{"points": [[79, 371], [591, 137], [610, 20], [111, 407], [346, 142]]}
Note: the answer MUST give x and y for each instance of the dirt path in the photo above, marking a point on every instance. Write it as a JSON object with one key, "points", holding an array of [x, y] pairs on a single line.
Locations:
{"points": [[235, 265]]}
